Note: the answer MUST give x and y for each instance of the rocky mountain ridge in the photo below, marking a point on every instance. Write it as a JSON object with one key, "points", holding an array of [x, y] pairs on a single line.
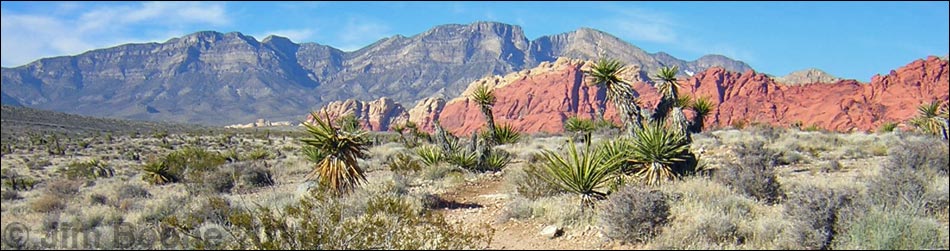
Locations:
{"points": [[230, 78]]}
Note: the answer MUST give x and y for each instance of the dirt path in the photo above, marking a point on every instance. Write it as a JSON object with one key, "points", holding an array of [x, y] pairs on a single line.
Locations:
{"points": [[483, 201]]}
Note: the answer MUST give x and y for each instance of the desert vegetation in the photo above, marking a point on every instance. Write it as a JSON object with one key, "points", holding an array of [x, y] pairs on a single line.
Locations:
{"points": [[658, 181]]}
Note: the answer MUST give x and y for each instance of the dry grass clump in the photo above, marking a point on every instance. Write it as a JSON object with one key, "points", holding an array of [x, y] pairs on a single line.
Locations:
{"points": [[560, 210], [527, 181], [707, 215], [48, 203]]}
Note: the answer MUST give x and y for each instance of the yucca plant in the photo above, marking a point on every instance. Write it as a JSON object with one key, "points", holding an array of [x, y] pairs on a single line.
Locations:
{"points": [[605, 73], [657, 150], [702, 106], [586, 174], [497, 159], [258, 154], [312, 154], [158, 173], [579, 126], [887, 127], [619, 148], [684, 102], [505, 134], [338, 170], [669, 91], [430, 155], [463, 159], [932, 119], [485, 98]]}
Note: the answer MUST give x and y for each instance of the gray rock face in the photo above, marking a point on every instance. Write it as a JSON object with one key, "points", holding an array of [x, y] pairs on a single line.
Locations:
{"points": [[229, 78], [807, 76]]}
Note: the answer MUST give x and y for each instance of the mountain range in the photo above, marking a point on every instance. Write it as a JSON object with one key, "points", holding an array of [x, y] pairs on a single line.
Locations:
{"points": [[228, 78]]}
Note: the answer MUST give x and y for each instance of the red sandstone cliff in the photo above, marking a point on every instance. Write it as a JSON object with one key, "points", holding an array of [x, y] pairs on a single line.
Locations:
{"points": [[540, 99]]}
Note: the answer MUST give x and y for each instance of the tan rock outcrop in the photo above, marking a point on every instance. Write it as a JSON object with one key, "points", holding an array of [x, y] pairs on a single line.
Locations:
{"points": [[377, 115]]}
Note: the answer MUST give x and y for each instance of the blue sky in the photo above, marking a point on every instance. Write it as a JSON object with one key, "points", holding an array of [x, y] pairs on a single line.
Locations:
{"points": [[847, 39]]}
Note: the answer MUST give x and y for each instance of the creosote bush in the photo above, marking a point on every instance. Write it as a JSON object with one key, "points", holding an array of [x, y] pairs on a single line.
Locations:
{"points": [[821, 211], [635, 214], [754, 174]]}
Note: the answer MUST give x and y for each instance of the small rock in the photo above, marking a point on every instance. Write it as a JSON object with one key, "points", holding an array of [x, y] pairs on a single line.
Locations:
{"points": [[551, 231]]}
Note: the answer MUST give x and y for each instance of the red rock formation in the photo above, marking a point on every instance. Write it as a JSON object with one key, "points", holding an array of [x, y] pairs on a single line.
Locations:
{"points": [[540, 99], [842, 106], [540, 103]]}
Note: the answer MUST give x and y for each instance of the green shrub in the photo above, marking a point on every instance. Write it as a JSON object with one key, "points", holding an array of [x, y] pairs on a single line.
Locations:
{"points": [[87, 170], [894, 230], [192, 161], [635, 214], [20, 183], [187, 164], [258, 154], [403, 163]]}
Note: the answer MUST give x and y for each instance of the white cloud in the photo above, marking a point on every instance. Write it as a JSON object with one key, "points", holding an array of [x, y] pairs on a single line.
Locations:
{"points": [[360, 32], [62, 31], [638, 24], [643, 25]]}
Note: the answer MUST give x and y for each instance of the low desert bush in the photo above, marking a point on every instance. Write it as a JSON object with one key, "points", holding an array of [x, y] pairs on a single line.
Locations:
{"points": [[753, 174], [920, 153], [319, 222], [64, 188], [530, 183], [893, 230], [48, 203], [131, 191], [87, 170], [635, 214], [403, 163], [8, 195], [820, 211]]}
